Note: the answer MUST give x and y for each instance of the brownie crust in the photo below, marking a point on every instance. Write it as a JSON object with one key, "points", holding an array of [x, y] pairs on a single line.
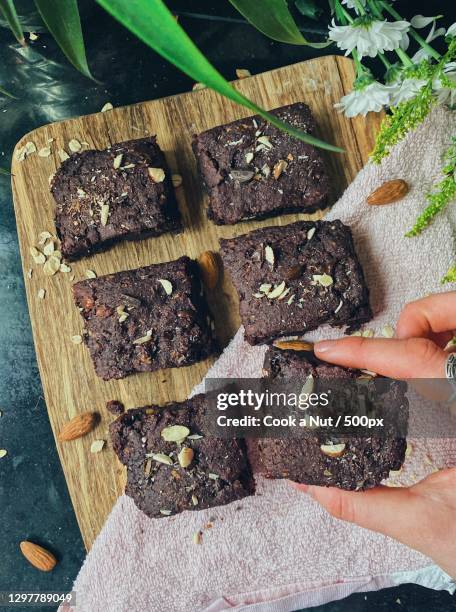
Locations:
{"points": [[218, 472], [121, 193], [364, 462], [253, 170], [145, 319], [316, 265]]}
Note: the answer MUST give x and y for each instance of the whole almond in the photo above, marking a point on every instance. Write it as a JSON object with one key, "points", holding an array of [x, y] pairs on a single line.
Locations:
{"points": [[78, 427], [294, 345], [389, 192], [38, 556], [209, 266]]}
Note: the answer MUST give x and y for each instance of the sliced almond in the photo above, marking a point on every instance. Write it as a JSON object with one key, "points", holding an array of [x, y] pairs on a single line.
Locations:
{"points": [[162, 458], [79, 426], [3, 452], [41, 294], [308, 386], [63, 155], [279, 167], [51, 266], [249, 157], [104, 214], [38, 257], [333, 450], [43, 237], [294, 345], [311, 232], [209, 267], [107, 107], [157, 174], [387, 331], [265, 288], [90, 274], [264, 140], [77, 339], [65, 268], [144, 339], [44, 152], [197, 537], [48, 249]]}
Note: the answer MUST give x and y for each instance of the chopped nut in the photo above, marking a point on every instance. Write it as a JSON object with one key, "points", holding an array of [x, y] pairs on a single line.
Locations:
{"points": [[33, 36], [48, 249], [242, 176], [144, 339], [197, 537], [175, 433], [63, 155], [249, 157], [197, 86], [44, 152], [323, 279], [165, 512], [76, 339], [147, 467], [90, 274], [161, 458], [368, 333], [308, 386], [117, 161], [278, 290], [65, 268], [43, 237], [51, 266], [3, 453], [333, 450], [107, 107], [185, 457], [269, 254], [387, 331], [157, 174], [194, 437], [284, 294], [97, 446], [104, 214], [311, 232], [339, 306], [41, 294], [409, 449], [167, 286], [74, 145], [243, 73], [264, 140], [213, 476], [194, 500], [38, 257], [176, 179], [266, 170], [280, 166]]}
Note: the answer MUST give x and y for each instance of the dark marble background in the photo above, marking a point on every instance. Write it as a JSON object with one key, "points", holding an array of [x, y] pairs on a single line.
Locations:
{"points": [[34, 501]]}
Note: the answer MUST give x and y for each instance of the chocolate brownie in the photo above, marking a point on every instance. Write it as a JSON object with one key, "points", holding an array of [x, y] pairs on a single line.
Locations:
{"points": [[252, 169], [146, 319], [353, 462], [121, 193], [294, 278], [173, 465]]}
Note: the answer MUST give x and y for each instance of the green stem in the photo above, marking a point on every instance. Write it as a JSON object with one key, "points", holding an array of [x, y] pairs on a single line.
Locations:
{"points": [[344, 13], [359, 66], [384, 61], [360, 7], [374, 9], [413, 33], [402, 55]]}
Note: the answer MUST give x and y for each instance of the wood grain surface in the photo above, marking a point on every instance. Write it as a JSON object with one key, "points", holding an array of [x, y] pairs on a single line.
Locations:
{"points": [[69, 381]]}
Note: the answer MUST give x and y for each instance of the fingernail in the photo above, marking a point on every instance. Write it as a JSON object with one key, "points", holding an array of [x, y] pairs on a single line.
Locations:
{"points": [[324, 346]]}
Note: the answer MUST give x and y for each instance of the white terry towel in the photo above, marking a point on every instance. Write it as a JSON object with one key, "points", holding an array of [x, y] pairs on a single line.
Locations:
{"points": [[279, 550]]}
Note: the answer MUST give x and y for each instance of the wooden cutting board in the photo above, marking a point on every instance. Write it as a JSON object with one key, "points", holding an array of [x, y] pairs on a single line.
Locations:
{"points": [[69, 381]]}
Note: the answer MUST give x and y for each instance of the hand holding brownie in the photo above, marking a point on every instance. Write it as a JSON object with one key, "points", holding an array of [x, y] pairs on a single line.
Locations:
{"points": [[421, 516]]}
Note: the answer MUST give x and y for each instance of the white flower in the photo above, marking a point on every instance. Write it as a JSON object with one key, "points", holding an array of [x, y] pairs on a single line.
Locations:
{"points": [[371, 37], [401, 91], [372, 97], [422, 54], [451, 30], [351, 4], [446, 95]]}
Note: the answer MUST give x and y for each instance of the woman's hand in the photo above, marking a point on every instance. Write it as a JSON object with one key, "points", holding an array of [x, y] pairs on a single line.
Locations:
{"points": [[424, 515]]}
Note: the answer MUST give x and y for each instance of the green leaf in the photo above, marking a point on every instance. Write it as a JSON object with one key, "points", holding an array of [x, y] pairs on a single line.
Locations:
{"points": [[273, 18], [63, 22], [153, 23], [3, 92], [308, 8], [8, 10]]}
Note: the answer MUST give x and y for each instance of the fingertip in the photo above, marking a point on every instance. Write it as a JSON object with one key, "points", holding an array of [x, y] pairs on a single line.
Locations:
{"points": [[299, 487]]}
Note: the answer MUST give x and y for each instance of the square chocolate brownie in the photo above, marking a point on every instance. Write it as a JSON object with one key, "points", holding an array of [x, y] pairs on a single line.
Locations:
{"points": [[294, 278], [174, 464], [252, 169], [146, 319], [122, 193], [352, 462]]}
